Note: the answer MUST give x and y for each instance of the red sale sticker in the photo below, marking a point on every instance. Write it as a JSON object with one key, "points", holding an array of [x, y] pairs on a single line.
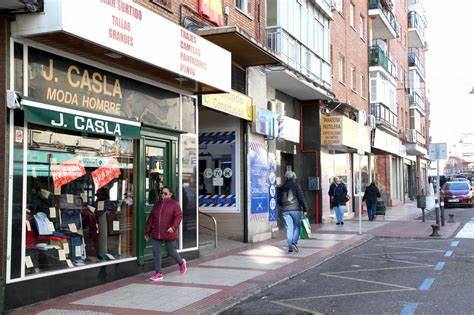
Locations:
{"points": [[106, 173], [67, 171]]}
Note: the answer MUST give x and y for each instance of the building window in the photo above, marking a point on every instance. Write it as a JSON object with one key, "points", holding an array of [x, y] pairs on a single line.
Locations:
{"points": [[239, 79], [362, 27], [339, 4], [243, 5], [342, 68], [352, 15], [362, 85], [353, 77]]}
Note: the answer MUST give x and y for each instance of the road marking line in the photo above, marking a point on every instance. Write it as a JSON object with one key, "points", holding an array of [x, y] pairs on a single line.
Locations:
{"points": [[467, 231], [368, 281], [409, 309], [448, 253], [346, 294], [454, 243], [439, 266], [425, 286], [375, 269], [298, 308]]}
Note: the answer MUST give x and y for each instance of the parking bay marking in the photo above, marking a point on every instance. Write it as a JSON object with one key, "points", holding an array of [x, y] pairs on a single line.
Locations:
{"points": [[409, 309], [425, 286], [439, 266]]}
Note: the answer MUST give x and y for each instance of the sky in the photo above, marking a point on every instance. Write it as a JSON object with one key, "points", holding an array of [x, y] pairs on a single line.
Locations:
{"points": [[450, 67]]}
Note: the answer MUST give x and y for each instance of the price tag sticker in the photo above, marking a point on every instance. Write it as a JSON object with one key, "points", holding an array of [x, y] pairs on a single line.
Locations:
{"points": [[57, 191], [69, 263], [100, 205], [28, 225], [78, 251], [66, 247], [51, 226], [28, 262], [116, 226], [62, 255], [72, 227], [52, 212], [70, 198]]}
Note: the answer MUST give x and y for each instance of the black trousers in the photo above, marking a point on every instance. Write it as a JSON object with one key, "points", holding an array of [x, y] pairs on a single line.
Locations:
{"points": [[157, 244]]}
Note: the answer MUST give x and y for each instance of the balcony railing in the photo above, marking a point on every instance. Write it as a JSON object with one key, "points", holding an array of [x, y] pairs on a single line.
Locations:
{"points": [[379, 58], [414, 136], [417, 100], [415, 21], [392, 20], [384, 116], [299, 57], [414, 61]]}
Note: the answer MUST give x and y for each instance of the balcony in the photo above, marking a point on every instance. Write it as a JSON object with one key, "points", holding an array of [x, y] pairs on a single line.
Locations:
{"points": [[416, 144], [385, 24], [384, 117], [415, 63], [417, 102], [307, 76], [416, 30], [378, 58]]}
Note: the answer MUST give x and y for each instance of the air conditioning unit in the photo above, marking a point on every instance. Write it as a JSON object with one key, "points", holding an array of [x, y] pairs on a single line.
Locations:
{"points": [[371, 122], [277, 107]]}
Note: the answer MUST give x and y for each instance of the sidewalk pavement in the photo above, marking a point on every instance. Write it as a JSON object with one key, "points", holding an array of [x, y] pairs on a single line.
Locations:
{"points": [[217, 282], [211, 284]]}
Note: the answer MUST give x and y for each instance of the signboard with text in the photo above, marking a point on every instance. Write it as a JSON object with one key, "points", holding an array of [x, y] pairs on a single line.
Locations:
{"points": [[125, 27], [233, 103], [65, 172], [106, 173], [438, 151]]}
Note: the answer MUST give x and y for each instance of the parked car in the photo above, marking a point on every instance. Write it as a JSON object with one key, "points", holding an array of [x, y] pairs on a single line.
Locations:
{"points": [[457, 193]]}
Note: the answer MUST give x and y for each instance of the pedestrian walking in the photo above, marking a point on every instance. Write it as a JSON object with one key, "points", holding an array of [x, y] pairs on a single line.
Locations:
{"points": [[162, 227], [293, 206], [338, 198], [332, 203], [370, 197]]}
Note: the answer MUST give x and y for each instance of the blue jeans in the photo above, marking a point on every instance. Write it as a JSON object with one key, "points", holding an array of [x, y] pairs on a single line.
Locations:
{"points": [[371, 209], [293, 224], [339, 213]]}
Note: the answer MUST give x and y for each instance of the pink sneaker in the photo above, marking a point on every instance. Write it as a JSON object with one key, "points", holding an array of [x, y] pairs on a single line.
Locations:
{"points": [[182, 267], [157, 277]]}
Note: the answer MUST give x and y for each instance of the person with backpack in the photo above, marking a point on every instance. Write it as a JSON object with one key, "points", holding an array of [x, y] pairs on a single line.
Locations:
{"points": [[293, 206], [338, 198], [162, 227], [370, 197]]}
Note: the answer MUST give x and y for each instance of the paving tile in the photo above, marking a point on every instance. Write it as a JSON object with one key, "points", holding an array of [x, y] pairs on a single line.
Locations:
{"points": [[329, 237], [55, 311], [250, 262], [151, 297], [213, 276], [311, 243], [269, 250]]}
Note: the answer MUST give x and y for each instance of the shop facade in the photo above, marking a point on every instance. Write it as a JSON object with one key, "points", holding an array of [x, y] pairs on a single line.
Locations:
{"points": [[91, 142]]}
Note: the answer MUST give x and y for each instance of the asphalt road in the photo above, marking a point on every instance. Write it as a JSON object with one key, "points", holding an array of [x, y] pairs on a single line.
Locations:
{"points": [[383, 276]]}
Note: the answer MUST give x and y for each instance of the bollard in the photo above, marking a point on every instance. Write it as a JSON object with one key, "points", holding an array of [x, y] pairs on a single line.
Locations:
{"points": [[435, 228], [423, 215], [451, 218]]}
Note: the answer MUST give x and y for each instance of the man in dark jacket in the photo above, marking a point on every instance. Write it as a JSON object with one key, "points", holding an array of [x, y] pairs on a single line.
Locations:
{"points": [[292, 204], [370, 197], [338, 196]]}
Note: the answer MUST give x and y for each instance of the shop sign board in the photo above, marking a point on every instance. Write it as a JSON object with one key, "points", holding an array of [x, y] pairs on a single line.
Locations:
{"points": [[289, 129], [57, 117], [61, 81], [125, 27], [233, 103], [67, 171], [342, 132], [106, 173], [388, 143], [438, 151], [265, 122]]}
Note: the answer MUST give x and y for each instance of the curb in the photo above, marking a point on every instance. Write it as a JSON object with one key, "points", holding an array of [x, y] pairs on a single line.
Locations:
{"points": [[251, 293]]}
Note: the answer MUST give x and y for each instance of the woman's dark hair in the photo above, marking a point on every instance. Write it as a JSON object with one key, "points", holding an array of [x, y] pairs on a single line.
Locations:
{"points": [[169, 189]]}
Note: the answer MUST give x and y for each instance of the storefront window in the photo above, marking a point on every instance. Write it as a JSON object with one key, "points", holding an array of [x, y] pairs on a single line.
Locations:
{"points": [[217, 170], [188, 113], [18, 66], [364, 169], [80, 200], [189, 190]]}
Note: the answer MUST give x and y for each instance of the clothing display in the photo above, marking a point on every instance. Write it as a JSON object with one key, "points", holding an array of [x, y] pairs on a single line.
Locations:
{"points": [[43, 224]]}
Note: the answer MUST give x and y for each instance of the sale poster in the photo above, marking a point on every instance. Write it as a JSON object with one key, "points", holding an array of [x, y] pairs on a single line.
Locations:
{"points": [[67, 171], [106, 173]]}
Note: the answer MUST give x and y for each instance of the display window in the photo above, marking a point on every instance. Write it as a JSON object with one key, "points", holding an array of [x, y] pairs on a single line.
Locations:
{"points": [[218, 171], [79, 200]]}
